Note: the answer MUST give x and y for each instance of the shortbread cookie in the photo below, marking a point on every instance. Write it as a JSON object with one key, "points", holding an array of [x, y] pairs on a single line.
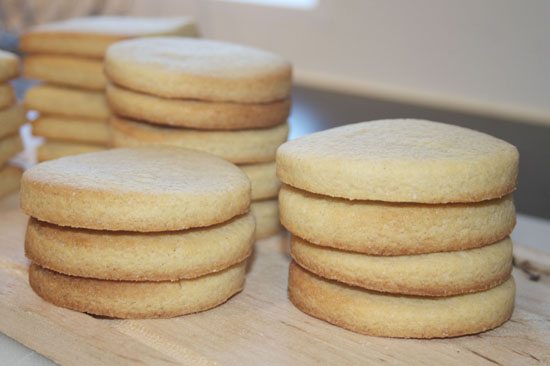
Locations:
{"points": [[10, 176], [58, 100], [7, 96], [11, 119], [163, 256], [9, 66], [127, 299], [401, 316], [51, 150], [267, 218], [263, 180], [401, 160], [386, 228], [194, 113], [198, 69], [73, 129], [435, 274], [66, 70], [91, 36], [9, 147], [240, 147], [139, 189]]}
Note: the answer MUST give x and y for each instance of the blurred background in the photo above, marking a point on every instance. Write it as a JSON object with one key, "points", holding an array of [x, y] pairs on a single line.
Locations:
{"points": [[478, 64]]}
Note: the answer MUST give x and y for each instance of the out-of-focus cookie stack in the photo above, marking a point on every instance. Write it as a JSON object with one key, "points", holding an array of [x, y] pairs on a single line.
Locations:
{"points": [[138, 232], [225, 99], [400, 227], [68, 57], [12, 116]]}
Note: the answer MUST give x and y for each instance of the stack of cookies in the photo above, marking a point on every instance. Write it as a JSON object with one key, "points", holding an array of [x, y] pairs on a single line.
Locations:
{"points": [[68, 57], [225, 99], [400, 227], [12, 116], [137, 233]]}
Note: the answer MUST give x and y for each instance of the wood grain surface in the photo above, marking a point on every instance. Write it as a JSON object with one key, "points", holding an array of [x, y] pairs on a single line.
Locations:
{"points": [[257, 326]]}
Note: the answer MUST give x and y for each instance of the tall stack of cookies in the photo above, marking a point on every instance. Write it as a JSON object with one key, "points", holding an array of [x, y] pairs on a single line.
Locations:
{"points": [[137, 233], [12, 116], [400, 227], [225, 99], [68, 57]]}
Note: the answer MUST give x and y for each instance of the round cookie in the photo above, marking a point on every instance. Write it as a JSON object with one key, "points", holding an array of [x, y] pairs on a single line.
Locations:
{"points": [[400, 316], [201, 69], [11, 119], [7, 96], [66, 70], [195, 113], [51, 150], [139, 189], [263, 180], [435, 274], [386, 228], [267, 218], [72, 129], [401, 160], [10, 176], [51, 99], [163, 256], [92, 36], [240, 147], [9, 147], [127, 299], [9, 66]]}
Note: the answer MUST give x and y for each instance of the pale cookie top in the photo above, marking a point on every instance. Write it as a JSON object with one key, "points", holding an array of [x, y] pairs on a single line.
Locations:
{"points": [[9, 66], [198, 69], [401, 160], [137, 189]]}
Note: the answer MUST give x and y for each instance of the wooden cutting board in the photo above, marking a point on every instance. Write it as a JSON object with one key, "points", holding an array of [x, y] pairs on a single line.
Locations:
{"points": [[257, 326]]}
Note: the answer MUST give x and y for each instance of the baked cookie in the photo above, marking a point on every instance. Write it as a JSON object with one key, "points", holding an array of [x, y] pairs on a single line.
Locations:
{"points": [[195, 113], [200, 69], [263, 180], [9, 147], [59, 100], [161, 256], [240, 147], [92, 35], [66, 70], [9, 66], [139, 189], [11, 119], [267, 218], [435, 274], [10, 176], [129, 299], [400, 160], [7, 96], [400, 316], [389, 228], [72, 129], [51, 149]]}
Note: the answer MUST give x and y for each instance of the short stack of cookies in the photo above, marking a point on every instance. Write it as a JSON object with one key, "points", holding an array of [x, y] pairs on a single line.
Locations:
{"points": [[137, 232], [400, 227], [225, 99], [68, 57], [12, 116]]}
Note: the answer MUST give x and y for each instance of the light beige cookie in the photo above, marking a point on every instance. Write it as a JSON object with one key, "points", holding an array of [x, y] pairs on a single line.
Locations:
{"points": [[9, 147], [52, 149], [10, 176], [66, 70], [59, 100], [389, 228], [126, 299], [400, 316], [139, 189], [194, 113], [92, 35], [72, 129], [9, 66], [240, 147], [198, 69], [263, 180], [401, 160], [162, 256], [267, 218], [7, 96], [435, 274], [11, 119]]}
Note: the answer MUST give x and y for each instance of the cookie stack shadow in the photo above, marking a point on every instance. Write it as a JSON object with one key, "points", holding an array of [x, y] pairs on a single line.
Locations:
{"points": [[399, 228], [137, 233], [225, 99]]}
